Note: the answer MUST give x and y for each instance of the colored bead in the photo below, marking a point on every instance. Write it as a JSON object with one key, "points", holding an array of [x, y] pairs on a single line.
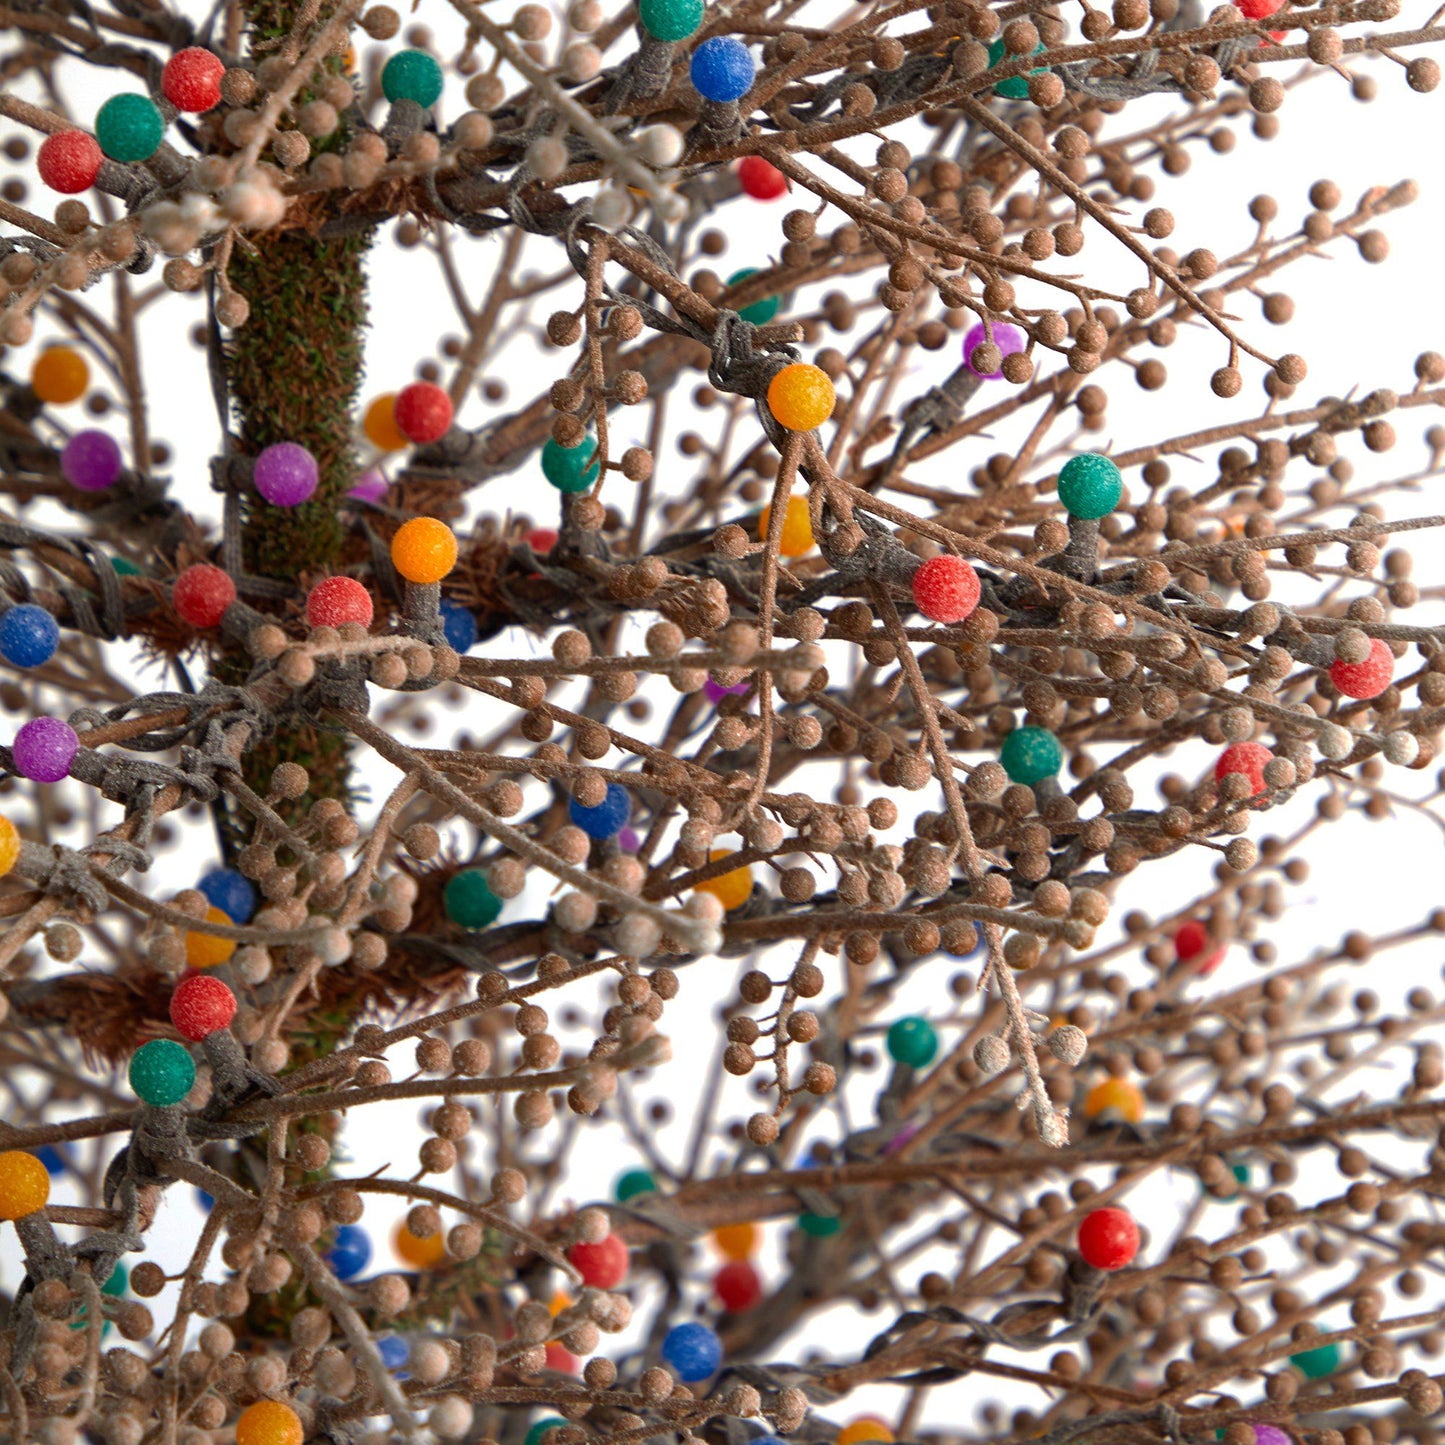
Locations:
{"points": [[69, 161], [737, 1241], [1315, 1364], [722, 68], [90, 461], [670, 19], [162, 1072], [732, 889], [761, 179], [423, 412], [539, 1428], [191, 80], [55, 1162], [421, 1251], [380, 426], [202, 593], [393, 1352], [269, 1422], [560, 1358], [1030, 754], [865, 1428], [797, 534], [1117, 1097], [350, 1251], [412, 75], [1368, 678], [206, 950], [29, 635], [370, 486], [1016, 87], [9, 846], [129, 128], [124, 567], [44, 749], [633, 1183], [602, 1265], [232, 892], [286, 474], [337, 601], [541, 540], [1258, 9], [760, 312], [571, 469], [459, 626], [424, 550], [24, 1184], [801, 397], [1266, 1434], [737, 1286], [693, 1351], [469, 900], [1108, 1238], [819, 1226], [59, 376], [1090, 486], [946, 588], [1247, 759], [607, 818], [200, 1006], [714, 691], [1009, 340], [912, 1041], [1194, 945]]}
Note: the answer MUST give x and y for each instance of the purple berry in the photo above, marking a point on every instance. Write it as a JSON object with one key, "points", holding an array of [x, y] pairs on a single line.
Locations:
{"points": [[91, 461], [44, 749], [370, 486], [715, 691], [286, 474], [1009, 340]]}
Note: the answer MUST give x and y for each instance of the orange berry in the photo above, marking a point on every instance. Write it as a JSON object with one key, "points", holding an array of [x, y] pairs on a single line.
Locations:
{"points": [[59, 375], [797, 535], [419, 1251], [380, 426], [24, 1184], [269, 1422], [736, 1241], [425, 550], [1115, 1096], [866, 1427], [801, 397], [205, 950], [9, 846], [733, 889]]}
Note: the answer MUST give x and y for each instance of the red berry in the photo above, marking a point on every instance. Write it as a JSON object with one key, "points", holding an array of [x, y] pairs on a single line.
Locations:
{"points": [[200, 1005], [602, 1265], [1246, 758], [541, 540], [1368, 678], [69, 161], [1108, 1238], [946, 588], [760, 179], [1193, 944], [423, 412], [191, 79], [1257, 9], [737, 1286], [561, 1359], [338, 600], [202, 593]]}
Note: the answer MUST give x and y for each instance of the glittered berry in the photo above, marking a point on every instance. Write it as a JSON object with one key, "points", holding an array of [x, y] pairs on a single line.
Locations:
{"points": [[801, 396], [761, 179], [269, 1422], [191, 80], [1009, 340], [1248, 759], [286, 474], [421, 1251], [1030, 754], [912, 1041], [412, 75], [1108, 1238], [602, 1265], [1194, 947], [90, 461], [1368, 678], [129, 128], [9, 846], [202, 593], [796, 539], [946, 588], [350, 1251], [200, 1005], [1266, 1434], [423, 412], [633, 1183], [570, 469], [469, 900], [1016, 87], [24, 1184], [424, 550], [693, 1351], [1112, 1099], [722, 68], [370, 486], [162, 1073], [232, 892], [59, 375], [207, 950], [670, 19], [336, 601], [380, 426], [69, 161], [1315, 1364], [459, 625], [29, 635], [731, 889], [1090, 486], [760, 312], [608, 817], [44, 749], [737, 1286]]}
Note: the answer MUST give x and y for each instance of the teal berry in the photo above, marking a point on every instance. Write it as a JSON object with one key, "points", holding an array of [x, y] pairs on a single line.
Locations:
{"points": [[540, 1428], [760, 312], [129, 128], [1315, 1364], [819, 1226], [1090, 486], [469, 900], [570, 469], [670, 19], [123, 567], [1029, 755], [412, 75], [114, 1286], [633, 1183], [1016, 87], [912, 1041], [162, 1073]]}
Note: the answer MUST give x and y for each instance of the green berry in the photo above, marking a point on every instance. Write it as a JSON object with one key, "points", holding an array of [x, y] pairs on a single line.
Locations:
{"points": [[1029, 755], [670, 19], [819, 1226], [412, 75], [570, 469], [760, 312], [123, 567], [912, 1041], [469, 900], [540, 1428], [633, 1183], [1016, 87], [129, 128], [1090, 486], [1315, 1364], [162, 1072]]}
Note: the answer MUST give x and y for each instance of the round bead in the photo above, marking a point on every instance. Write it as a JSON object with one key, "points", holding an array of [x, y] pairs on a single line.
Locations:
{"points": [[1315, 1364], [1090, 486], [424, 550], [9, 846], [350, 1251], [202, 593], [44, 749], [819, 1226], [633, 1183], [797, 535], [191, 80], [714, 692], [380, 426], [912, 1041], [670, 19], [732, 889], [129, 128], [1030, 754], [59, 376], [1009, 340], [55, 1162], [608, 818], [602, 1265], [370, 486], [1116, 1097], [571, 469], [232, 892], [69, 161], [1016, 87], [423, 412], [737, 1286], [200, 1005], [269, 1422], [722, 68], [124, 567], [469, 900], [694, 1351], [162, 1073], [1108, 1238], [760, 312], [946, 588], [29, 635], [761, 179], [1368, 678], [24, 1184], [90, 460], [1193, 945], [286, 474], [459, 626], [801, 396], [1266, 1434], [336, 601], [541, 540], [1245, 758], [737, 1241], [866, 1428], [393, 1351], [539, 1428], [421, 1251], [206, 950], [412, 75]]}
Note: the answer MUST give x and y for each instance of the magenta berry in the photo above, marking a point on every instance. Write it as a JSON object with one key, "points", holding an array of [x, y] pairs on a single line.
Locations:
{"points": [[44, 749], [1009, 340], [286, 474], [91, 461]]}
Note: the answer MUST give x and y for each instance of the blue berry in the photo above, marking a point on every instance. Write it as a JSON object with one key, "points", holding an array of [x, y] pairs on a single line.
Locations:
{"points": [[206, 1201], [722, 68], [231, 892], [350, 1253], [459, 625], [393, 1351], [55, 1162], [29, 635], [693, 1351], [608, 818]]}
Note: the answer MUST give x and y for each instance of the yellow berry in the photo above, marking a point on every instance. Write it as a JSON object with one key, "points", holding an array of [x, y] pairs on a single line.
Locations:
{"points": [[205, 950], [24, 1184], [269, 1422], [800, 396], [736, 1241], [867, 1427], [425, 550], [59, 375], [559, 1302], [419, 1251], [797, 535], [380, 426], [1115, 1096], [9, 846], [733, 889]]}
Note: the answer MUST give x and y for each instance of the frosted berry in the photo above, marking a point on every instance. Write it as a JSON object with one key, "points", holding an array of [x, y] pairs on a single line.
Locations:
{"points": [[1090, 486], [1108, 1238], [714, 691], [737, 1241], [737, 1286], [633, 1183], [796, 539], [801, 396], [9, 846], [286, 474], [459, 626], [421, 1251], [541, 540], [336, 601], [129, 128], [1315, 1364], [370, 486], [380, 426], [722, 68], [200, 1005], [539, 1428], [1030, 754], [1368, 678], [202, 593], [946, 588], [1258, 9], [1194, 946], [761, 179], [191, 80], [350, 1251], [424, 550], [412, 75], [24, 1184], [693, 1351], [1016, 87], [269, 1422], [1009, 340], [90, 461], [732, 889], [423, 412], [29, 635], [69, 161], [1248, 759], [819, 1226], [1114, 1099], [602, 1265], [206, 950], [760, 312], [912, 1041], [469, 900], [670, 19], [571, 469], [44, 749], [866, 1428], [231, 892], [162, 1073], [608, 817], [59, 376]]}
